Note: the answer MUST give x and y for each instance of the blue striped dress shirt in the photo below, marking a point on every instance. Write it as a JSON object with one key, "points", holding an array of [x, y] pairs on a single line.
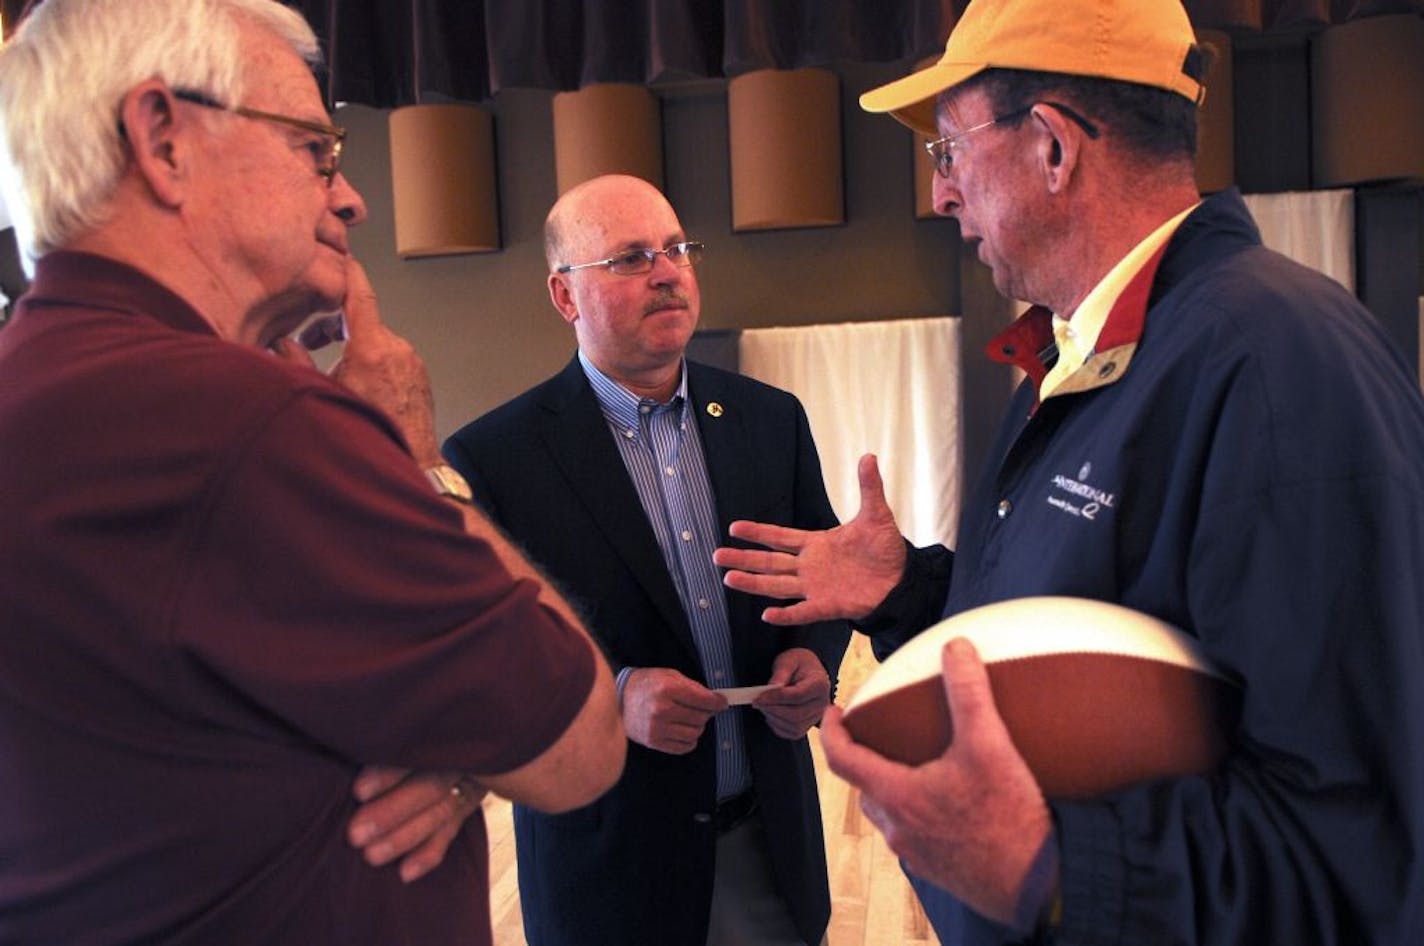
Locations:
{"points": [[661, 448]]}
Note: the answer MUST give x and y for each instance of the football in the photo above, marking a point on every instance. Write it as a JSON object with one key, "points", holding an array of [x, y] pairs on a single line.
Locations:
{"points": [[1095, 696]]}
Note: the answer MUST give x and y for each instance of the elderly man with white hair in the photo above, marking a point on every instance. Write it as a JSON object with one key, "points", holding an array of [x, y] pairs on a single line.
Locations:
{"points": [[228, 584]]}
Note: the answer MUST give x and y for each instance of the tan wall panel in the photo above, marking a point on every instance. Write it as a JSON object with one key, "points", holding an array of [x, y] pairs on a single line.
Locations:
{"points": [[1367, 101], [443, 180], [924, 167], [1216, 136], [609, 128], [784, 131]]}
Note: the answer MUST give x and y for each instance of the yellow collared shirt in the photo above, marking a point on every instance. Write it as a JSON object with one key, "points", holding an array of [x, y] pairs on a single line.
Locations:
{"points": [[1077, 335]]}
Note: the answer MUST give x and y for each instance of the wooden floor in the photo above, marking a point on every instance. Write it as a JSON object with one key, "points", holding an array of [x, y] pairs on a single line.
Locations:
{"points": [[871, 903]]}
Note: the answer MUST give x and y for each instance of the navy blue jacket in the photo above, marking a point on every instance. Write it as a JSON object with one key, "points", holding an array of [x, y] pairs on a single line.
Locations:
{"points": [[1243, 457], [635, 868]]}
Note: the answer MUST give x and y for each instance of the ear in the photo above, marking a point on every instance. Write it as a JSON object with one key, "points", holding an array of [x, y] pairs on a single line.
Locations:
{"points": [[154, 132], [562, 298], [1058, 146]]}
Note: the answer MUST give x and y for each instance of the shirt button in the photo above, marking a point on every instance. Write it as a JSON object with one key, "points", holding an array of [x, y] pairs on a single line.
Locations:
{"points": [[702, 817], [1005, 507], [686, 535], [669, 471], [726, 747], [645, 409], [717, 674], [703, 603], [629, 434]]}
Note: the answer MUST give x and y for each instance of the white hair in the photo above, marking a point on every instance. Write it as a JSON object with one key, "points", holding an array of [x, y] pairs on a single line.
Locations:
{"points": [[63, 76]]}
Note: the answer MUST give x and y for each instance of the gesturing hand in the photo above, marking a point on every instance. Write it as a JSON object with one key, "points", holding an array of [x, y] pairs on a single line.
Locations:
{"points": [[843, 572], [666, 711]]}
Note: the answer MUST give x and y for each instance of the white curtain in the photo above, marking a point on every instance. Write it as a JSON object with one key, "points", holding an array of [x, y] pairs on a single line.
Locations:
{"points": [[1315, 228], [889, 388]]}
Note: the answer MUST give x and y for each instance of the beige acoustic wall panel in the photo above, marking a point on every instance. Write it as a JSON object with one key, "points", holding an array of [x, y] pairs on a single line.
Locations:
{"points": [[1216, 118], [924, 167], [924, 182], [1367, 101], [609, 128], [784, 130], [443, 180]]}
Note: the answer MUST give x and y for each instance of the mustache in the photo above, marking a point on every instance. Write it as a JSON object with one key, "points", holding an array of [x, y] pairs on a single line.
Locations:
{"points": [[666, 300]]}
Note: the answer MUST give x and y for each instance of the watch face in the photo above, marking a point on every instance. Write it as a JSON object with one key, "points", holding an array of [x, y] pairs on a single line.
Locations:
{"points": [[448, 482]]}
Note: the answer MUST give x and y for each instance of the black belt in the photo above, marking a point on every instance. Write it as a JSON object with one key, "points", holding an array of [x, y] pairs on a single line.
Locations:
{"points": [[733, 811]]}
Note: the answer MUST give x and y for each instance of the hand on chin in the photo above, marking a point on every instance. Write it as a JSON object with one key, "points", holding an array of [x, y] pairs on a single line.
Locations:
{"points": [[283, 315]]}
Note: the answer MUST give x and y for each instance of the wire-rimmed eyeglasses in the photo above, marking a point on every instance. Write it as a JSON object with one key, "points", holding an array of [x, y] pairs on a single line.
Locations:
{"points": [[636, 262], [941, 150], [325, 150]]}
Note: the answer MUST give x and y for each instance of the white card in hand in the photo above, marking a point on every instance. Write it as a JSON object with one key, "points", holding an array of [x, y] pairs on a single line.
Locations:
{"points": [[740, 696]]}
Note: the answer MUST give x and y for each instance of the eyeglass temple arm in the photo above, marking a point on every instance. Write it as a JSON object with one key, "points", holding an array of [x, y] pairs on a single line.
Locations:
{"points": [[1088, 127]]}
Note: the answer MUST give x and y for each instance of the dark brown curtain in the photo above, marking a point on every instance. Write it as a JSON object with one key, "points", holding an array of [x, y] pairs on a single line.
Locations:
{"points": [[398, 52], [790, 34]]}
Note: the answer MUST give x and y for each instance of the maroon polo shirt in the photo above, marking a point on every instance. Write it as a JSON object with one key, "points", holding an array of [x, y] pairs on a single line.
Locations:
{"points": [[224, 586]]}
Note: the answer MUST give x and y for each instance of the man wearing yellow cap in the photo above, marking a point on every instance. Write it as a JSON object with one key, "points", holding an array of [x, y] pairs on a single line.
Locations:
{"points": [[1252, 445]]}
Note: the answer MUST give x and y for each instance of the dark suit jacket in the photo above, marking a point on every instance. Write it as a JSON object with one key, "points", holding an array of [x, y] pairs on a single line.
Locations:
{"points": [[636, 867]]}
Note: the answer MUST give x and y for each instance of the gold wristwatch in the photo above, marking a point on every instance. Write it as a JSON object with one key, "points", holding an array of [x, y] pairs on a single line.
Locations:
{"points": [[447, 481]]}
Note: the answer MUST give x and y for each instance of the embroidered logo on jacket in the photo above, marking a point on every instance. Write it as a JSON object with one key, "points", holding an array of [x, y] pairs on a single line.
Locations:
{"points": [[1078, 497]]}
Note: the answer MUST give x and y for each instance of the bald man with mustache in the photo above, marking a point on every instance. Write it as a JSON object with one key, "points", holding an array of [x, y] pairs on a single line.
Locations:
{"points": [[619, 476]]}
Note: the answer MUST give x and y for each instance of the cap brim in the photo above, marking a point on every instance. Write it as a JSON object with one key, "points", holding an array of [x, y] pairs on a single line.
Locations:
{"points": [[912, 99]]}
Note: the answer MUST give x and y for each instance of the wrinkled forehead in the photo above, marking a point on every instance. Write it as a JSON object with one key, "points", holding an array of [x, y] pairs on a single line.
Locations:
{"points": [[959, 107], [276, 76]]}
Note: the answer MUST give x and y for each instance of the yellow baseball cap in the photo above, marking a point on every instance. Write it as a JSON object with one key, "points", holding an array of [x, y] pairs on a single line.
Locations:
{"points": [[1145, 41]]}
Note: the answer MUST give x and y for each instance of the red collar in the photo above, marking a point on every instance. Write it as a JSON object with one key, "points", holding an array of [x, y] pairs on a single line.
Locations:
{"points": [[1028, 342]]}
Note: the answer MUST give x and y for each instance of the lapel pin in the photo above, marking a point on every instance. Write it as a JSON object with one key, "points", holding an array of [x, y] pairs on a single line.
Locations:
{"points": [[714, 409]]}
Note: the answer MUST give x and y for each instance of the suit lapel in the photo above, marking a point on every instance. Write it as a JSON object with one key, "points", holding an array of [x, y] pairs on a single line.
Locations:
{"points": [[578, 439], [722, 419]]}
